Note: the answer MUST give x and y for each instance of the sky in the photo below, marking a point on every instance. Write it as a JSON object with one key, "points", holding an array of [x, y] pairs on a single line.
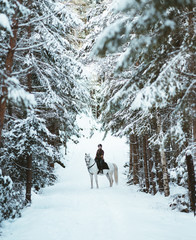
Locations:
{"points": [[71, 210]]}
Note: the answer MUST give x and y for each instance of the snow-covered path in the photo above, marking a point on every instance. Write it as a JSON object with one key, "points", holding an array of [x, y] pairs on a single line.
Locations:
{"points": [[70, 210]]}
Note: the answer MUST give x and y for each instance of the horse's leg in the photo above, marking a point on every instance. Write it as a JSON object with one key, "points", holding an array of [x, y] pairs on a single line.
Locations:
{"points": [[91, 176], [96, 180], [109, 178]]}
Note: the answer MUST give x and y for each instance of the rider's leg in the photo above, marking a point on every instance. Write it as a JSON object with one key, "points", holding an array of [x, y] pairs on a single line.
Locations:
{"points": [[98, 163], [101, 165]]}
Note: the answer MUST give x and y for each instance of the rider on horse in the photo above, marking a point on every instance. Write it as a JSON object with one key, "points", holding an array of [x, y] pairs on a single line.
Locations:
{"points": [[99, 158]]}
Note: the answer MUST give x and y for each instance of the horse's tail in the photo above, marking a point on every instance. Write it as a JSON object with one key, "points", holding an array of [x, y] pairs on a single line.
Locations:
{"points": [[115, 173]]}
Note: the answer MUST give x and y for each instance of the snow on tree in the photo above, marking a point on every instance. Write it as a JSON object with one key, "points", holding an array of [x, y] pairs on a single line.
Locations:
{"points": [[29, 137], [44, 90], [10, 11], [59, 78], [10, 205], [154, 41], [97, 16], [4, 23]]}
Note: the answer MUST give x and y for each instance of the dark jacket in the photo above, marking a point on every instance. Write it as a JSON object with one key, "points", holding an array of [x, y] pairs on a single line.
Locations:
{"points": [[99, 154]]}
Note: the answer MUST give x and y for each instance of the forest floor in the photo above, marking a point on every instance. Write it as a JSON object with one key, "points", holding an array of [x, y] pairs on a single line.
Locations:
{"points": [[70, 210]]}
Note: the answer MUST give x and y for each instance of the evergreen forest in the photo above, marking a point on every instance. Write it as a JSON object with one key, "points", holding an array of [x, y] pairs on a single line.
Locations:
{"points": [[129, 62]]}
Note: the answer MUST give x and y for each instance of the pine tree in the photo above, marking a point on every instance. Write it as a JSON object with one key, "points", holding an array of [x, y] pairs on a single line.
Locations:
{"points": [[10, 205], [10, 11], [45, 91], [154, 74]]}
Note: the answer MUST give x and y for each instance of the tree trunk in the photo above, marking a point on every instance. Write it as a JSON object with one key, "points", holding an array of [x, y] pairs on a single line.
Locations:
{"points": [[192, 70], [130, 153], [153, 189], [163, 157], [191, 180], [145, 163], [3, 98], [29, 179], [8, 70], [159, 170], [194, 125], [29, 158], [135, 161]]}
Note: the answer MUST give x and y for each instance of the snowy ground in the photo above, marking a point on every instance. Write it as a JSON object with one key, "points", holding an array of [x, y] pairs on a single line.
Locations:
{"points": [[70, 210]]}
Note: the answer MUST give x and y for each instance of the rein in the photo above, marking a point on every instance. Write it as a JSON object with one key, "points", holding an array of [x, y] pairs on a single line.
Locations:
{"points": [[90, 168]]}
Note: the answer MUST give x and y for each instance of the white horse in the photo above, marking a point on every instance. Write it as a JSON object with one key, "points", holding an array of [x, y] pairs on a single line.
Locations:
{"points": [[93, 170]]}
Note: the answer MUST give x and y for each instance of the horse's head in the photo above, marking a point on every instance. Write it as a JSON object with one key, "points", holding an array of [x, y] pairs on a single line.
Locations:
{"points": [[87, 158]]}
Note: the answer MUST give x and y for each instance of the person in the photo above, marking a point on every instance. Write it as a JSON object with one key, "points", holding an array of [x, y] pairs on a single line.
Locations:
{"points": [[100, 158]]}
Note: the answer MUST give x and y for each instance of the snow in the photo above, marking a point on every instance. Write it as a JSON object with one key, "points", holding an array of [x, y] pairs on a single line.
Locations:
{"points": [[121, 5], [70, 210], [111, 32], [188, 152], [4, 22], [18, 94]]}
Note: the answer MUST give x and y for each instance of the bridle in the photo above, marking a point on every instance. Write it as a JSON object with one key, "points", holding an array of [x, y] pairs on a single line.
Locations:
{"points": [[89, 167]]}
